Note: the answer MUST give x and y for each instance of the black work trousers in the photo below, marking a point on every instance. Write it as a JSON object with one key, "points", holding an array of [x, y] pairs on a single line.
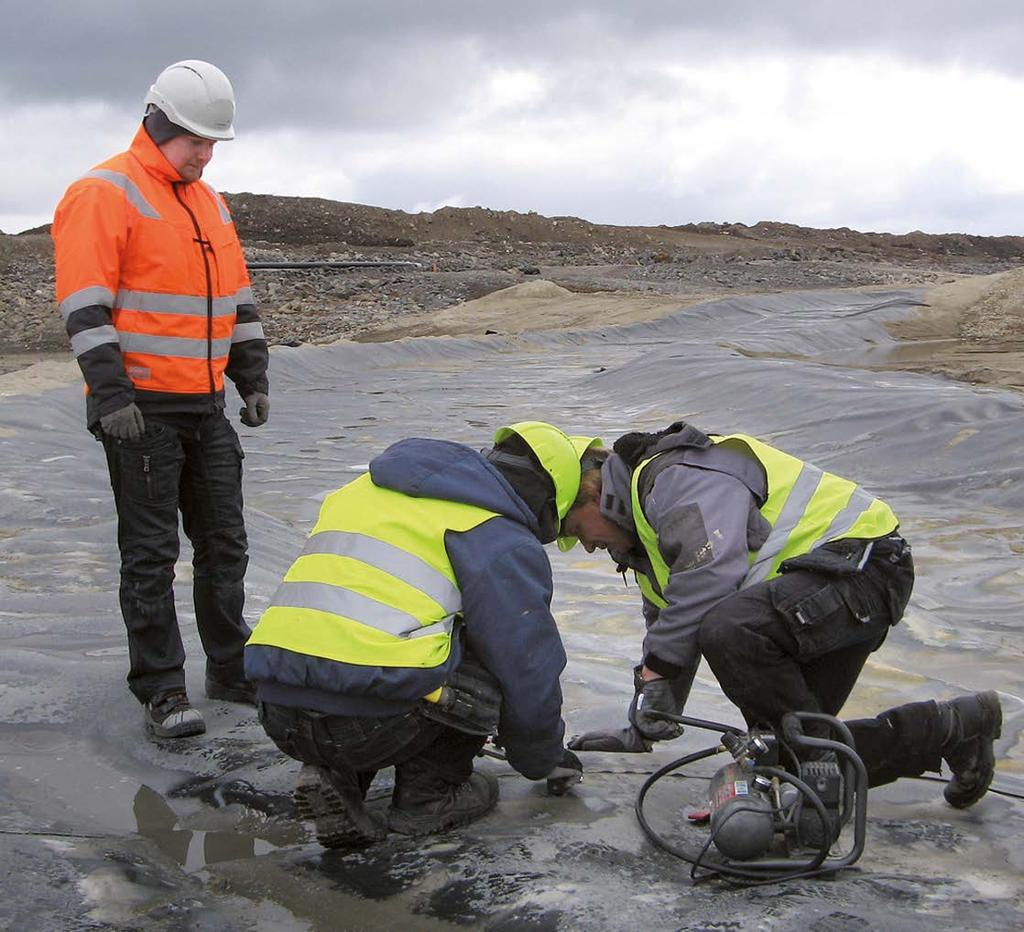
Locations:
{"points": [[190, 463], [427, 756], [798, 642]]}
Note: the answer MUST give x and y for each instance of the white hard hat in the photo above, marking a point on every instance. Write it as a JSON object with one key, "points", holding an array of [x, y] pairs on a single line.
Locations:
{"points": [[196, 96]]}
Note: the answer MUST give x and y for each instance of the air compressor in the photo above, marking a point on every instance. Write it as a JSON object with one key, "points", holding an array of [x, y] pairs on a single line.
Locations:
{"points": [[769, 822]]}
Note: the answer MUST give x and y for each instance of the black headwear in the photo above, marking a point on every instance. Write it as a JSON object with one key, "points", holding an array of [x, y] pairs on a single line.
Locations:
{"points": [[159, 127], [514, 459], [634, 447]]}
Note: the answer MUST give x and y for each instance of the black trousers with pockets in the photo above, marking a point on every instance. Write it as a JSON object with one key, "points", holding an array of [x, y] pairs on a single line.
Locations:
{"points": [[423, 752], [799, 641], [192, 464]]}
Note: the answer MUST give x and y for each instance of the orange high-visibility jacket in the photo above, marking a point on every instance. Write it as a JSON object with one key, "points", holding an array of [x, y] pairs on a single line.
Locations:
{"points": [[153, 288]]}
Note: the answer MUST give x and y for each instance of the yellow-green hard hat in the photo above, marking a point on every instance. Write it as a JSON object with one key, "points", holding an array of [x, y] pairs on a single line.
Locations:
{"points": [[555, 452], [581, 444]]}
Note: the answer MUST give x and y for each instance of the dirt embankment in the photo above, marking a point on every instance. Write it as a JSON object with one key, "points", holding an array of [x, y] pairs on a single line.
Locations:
{"points": [[608, 273]]}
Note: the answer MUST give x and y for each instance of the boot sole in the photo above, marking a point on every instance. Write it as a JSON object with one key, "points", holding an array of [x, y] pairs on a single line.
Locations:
{"points": [[318, 802], [187, 730]]}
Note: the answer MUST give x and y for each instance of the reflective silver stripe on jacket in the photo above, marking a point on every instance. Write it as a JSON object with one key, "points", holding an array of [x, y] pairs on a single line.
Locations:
{"points": [[336, 600], [243, 332], [89, 339], [131, 190], [86, 297], [392, 560], [796, 504], [225, 216], [244, 296], [172, 346], [155, 302]]}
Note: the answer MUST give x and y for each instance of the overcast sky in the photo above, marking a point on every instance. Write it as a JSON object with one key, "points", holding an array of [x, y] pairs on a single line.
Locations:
{"points": [[886, 115]]}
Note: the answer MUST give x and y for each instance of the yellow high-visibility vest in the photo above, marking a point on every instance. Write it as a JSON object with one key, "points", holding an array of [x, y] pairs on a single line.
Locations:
{"points": [[806, 507], [373, 586]]}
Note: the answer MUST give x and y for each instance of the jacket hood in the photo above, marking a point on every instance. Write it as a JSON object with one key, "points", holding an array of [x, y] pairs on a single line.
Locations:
{"points": [[425, 468], [630, 450], [616, 504], [151, 158]]}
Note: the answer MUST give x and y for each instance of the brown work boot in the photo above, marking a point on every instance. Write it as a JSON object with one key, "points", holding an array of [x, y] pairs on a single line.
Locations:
{"points": [[973, 724], [425, 807], [341, 819]]}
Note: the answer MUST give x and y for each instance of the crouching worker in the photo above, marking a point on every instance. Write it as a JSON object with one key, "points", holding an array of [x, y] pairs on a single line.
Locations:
{"points": [[416, 622], [785, 578]]}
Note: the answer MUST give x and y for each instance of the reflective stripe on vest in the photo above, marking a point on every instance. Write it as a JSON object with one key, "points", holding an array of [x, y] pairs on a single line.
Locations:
{"points": [[373, 586], [806, 507]]}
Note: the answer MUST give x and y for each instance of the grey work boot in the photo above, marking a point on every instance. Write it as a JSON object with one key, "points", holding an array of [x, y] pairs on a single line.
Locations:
{"points": [[340, 817], [972, 725], [170, 715], [425, 807]]}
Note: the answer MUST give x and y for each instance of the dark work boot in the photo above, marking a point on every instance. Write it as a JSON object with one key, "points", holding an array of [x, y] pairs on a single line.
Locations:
{"points": [[240, 690], [424, 806], [972, 725], [340, 817]]}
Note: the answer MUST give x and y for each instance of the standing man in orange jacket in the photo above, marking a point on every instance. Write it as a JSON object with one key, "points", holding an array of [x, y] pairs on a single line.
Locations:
{"points": [[154, 292]]}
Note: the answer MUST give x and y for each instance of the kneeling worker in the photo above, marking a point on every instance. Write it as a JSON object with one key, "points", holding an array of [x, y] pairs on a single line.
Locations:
{"points": [[785, 578], [424, 577]]}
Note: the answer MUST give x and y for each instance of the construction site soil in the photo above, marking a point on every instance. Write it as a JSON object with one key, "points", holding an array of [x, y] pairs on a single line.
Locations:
{"points": [[973, 328]]}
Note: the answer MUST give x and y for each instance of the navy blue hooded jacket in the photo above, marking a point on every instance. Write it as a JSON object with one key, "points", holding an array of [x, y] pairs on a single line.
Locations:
{"points": [[505, 579]]}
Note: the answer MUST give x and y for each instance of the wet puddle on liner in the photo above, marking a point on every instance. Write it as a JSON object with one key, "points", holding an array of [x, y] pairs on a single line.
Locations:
{"points": [[75, 792], [192, 848]]}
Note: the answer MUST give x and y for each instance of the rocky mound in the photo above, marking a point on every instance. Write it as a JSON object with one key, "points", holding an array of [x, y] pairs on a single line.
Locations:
{"points": [[466, 253]]}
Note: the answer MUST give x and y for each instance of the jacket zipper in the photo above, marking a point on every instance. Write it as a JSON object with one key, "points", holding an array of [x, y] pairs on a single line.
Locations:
{"points": [[204, 244]]}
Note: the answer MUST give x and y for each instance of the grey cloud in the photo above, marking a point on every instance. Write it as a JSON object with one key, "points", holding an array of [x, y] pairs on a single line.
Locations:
{"points": [[373, 65]]}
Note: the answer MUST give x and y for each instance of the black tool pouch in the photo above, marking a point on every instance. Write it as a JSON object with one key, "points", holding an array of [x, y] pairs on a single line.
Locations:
{"points": [[816, 616], [470, 701], [837, 558]]}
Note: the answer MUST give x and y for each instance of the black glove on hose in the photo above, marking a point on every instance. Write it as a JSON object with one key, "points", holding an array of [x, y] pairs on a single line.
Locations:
{"points": [[568, 773], [256, 410], [624, 741], [124, 424], [655, 696]]}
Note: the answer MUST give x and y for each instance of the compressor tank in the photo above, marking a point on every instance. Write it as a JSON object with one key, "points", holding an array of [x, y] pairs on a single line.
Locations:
{"points": [[742, 820]]}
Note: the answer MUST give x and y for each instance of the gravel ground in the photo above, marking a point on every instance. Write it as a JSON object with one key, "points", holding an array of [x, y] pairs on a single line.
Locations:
{"points": [[505, 249]]}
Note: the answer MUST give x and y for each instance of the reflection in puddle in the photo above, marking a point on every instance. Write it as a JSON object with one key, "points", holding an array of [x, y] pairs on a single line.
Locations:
{"points": [[191, 848]]}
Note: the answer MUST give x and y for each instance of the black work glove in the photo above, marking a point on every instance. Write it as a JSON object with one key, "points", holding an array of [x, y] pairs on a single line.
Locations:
{"points": [[125, 423], [256, 410], [624, 741], [655, 696], [568, 773]]}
